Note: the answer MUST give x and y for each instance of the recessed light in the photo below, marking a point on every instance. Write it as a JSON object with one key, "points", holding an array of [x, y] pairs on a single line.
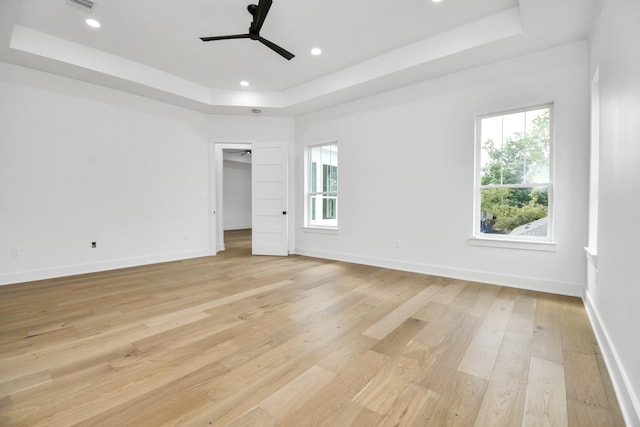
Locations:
{"points": [[316, 51], [244, 83], [436, 1], [92, 23]]}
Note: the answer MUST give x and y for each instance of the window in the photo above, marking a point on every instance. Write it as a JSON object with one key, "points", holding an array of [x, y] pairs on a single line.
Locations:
{"points": [[513, 182], [322, 186]]}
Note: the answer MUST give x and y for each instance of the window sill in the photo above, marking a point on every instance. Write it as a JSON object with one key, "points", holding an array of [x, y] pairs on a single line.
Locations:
{"points": [[530, 245], [592, 256], [320, 230]]}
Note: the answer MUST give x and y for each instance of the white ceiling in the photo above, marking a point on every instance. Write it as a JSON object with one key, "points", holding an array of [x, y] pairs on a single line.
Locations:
{"points": [[152, 47]]}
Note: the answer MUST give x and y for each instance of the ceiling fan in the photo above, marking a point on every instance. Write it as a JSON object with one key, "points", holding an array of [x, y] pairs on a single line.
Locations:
{"points": [[259, 13], [241, 152]]}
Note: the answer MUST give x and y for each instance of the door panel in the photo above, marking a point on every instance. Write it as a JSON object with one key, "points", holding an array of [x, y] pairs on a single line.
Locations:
{"points": [[269, 199]]}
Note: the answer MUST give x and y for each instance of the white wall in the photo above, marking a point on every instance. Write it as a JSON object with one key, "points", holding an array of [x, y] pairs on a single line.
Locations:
{"points": [[82, 163], [407, 171], [613, 301], [237, 195]]}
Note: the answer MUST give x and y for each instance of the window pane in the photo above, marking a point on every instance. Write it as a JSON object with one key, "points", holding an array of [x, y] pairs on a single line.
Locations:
{"points": [[324, 209], [314, 179], [513, 126], [514, 211], [538, 137], [316, 154], [329, 208], [330, 178], [515, 148], [491, 141]]}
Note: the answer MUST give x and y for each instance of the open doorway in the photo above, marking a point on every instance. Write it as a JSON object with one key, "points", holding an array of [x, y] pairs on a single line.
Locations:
{"points": [[233, 193], [269, 190], [236, 197]]}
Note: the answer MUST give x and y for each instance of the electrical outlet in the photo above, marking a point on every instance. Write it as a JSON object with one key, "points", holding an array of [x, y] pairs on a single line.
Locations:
{"points": [[16, 252], [94, 244], [396, 244]]}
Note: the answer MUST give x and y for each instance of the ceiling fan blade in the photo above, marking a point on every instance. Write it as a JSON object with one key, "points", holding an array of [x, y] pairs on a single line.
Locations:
{"points": [[233, 36], [260, 15], [283, 52]]}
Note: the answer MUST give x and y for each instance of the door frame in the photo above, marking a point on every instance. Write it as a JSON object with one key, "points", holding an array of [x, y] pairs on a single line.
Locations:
{"points": [[216, 196]]}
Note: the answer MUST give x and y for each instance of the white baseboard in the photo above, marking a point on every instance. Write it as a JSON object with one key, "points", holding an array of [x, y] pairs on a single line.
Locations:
{"points": [[72, 270], [237, 227], [629, 402], [528, 283]]}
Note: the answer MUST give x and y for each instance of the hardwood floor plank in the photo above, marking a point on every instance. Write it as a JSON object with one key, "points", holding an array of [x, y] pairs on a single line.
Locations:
{"points": [[195, 313], [328, 403], [324, 296], [442, 363], [584, 415], [460, 402], [30, 406], [413, 407], [476, 299], [582, 379], [23, 383], [348, 350], [418, 351], [296, 392], [441, 319], [186, 333], [158, 405], [503, 401], [396, 342], [576, 333], [546, 398], [483, 351], [255, 341], [391, 321], [357, 416], [450, 289], [384, 389], [107, 345], [547, 343], [254, 418], [522, 321]]}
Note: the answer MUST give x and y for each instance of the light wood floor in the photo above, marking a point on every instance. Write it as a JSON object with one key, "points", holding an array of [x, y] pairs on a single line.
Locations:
{"points": [[260, 341]]}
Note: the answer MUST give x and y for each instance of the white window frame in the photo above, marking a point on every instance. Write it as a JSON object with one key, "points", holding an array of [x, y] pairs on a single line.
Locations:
{"points": [[318, 224], [504, 240]]}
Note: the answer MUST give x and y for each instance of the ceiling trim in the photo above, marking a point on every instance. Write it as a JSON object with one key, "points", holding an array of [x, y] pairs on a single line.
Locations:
{"points": [[484, 31], [162, 85]]}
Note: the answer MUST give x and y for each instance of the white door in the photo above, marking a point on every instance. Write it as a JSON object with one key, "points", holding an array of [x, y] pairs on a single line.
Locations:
{"points": [[269, 199]]}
